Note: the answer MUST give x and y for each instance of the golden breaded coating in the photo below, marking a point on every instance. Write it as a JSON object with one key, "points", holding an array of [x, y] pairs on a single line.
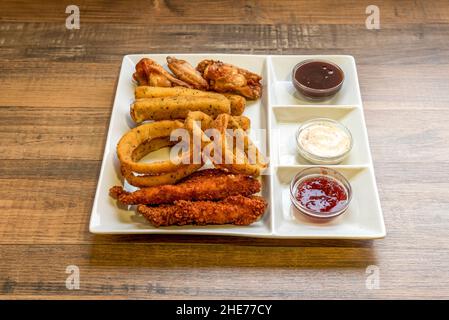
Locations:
{"points": [[238, 210], [210, 184]]}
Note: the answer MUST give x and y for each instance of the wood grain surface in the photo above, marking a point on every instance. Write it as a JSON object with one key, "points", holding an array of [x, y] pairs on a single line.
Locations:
{"points": [[56, 93]]}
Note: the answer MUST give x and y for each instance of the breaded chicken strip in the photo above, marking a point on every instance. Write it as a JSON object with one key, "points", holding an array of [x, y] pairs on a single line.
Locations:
{"points": [[210, 184], [238, 210]]}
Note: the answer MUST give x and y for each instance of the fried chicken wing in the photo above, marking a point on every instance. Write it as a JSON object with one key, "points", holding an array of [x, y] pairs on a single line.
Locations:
{"points": [[184, 71], [224, 77], [210, 184], [149, 72], [238, 210]]}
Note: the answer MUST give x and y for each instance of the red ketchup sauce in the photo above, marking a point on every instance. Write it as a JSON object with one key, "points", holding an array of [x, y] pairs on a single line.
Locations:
{"points": [[321, 194]]}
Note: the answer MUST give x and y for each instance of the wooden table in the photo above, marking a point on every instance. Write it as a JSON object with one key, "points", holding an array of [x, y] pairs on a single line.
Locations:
{"points": [[56, 92]]}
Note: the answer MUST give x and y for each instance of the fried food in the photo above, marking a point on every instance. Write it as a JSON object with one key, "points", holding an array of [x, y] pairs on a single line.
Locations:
{"points": [[184, 71], [149, 72], [145, 148], [209, 184], [172, 177], [247, 160], [176, 107], [236, 152], [243, 122], [211, 100], [224, 77], [138, 142], [238, 210], [160, 92], [149, 137], [237, 102]]}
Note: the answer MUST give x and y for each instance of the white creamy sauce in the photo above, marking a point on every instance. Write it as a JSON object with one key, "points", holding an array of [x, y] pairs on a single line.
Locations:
{"points": [[324, 139]]}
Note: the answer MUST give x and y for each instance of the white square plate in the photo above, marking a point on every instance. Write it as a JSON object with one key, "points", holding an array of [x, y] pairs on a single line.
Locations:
{"points": [[278, 111]]}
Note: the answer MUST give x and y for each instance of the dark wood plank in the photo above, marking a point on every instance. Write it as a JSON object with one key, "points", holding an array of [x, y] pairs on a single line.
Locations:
{"points": [[166, 271], [53, 133], [42, 42], [168, 12]]}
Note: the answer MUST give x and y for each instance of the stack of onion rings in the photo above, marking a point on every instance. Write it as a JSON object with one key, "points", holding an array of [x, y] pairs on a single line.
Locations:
{"points": [[147, 138]]}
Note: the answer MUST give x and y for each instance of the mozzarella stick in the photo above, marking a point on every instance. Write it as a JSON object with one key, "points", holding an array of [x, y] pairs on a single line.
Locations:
{"points": [[158, 92], [237, 102], [176, 107]]}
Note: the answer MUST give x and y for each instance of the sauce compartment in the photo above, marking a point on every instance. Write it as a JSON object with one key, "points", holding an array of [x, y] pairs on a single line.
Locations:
{"points": [[286, 121], [360, 220], [283, 92]]}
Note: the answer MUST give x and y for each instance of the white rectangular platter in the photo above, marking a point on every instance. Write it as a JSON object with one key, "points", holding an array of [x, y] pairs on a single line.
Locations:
{"points": [[280, 111]]}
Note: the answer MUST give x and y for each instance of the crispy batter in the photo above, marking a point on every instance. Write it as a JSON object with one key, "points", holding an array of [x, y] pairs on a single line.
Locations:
{"points": [[138, 142], [184, 71], [150, 180], [144, 139], [149, 72], [210, 184], [238, 103], [224, 77], [241, 156], [238, 210], [247, 160], [177, 107]]}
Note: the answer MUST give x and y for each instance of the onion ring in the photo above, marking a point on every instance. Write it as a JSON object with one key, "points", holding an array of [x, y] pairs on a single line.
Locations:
{"points": [[137, 142], [144, 139], [156, 180]]}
